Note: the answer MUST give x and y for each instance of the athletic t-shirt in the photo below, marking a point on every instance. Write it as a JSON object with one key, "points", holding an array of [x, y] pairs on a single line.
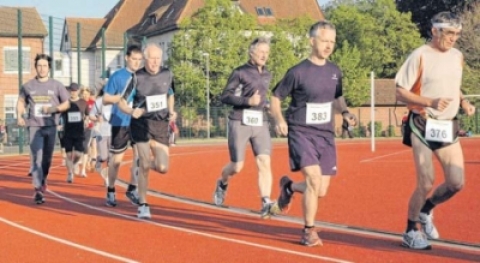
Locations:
{"points": [[74, 119], [152, 93], [308, 83], [116, 85], [433, 74], [242, 84], [37, 94]]}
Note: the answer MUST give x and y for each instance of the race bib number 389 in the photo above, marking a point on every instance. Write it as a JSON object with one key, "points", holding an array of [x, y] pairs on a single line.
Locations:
{"points": [[156, 103], [252, 118], [319, 113], [439, 130]]}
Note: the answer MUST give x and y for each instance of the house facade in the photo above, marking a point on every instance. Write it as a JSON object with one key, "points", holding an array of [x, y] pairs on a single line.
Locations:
{"points": [[33, 37]]}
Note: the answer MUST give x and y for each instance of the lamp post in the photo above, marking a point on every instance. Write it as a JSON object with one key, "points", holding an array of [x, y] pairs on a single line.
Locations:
{"points": [[207, 58]]}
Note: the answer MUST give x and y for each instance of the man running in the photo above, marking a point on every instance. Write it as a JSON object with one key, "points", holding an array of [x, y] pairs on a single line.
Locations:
{"points": [[314, 85], [120, 122], [246, 91], [429, 83], [153, 108], [46, 97]]}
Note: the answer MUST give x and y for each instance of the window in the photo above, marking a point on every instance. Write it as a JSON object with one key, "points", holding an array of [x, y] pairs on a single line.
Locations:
{"points": [[268, 11], [66, 38], [11, 59], [260, 11], [10, 106], [58, 65], [153, 20], [119, 60]]}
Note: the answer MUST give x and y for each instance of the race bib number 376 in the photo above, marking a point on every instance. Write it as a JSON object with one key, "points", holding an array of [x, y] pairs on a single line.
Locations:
{"points": [[439, 130], [319, 113]]}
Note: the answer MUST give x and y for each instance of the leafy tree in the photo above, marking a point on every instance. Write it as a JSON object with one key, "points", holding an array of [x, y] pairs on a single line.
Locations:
{"points": [[383, 36], [216, 36], [423, 10], [469, 42]]}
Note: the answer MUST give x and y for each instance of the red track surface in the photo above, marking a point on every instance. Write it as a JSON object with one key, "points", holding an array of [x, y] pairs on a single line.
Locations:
{"points": [[371, 191]]}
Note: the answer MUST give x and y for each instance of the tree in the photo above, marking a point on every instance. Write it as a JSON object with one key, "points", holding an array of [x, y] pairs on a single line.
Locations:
{"points": [[217, 36], [469, 42], [382, 35], [423, 10]]}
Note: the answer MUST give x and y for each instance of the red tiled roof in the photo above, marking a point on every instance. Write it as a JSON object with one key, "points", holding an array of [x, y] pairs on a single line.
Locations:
{"points": [[32, 24], [89, 28]]}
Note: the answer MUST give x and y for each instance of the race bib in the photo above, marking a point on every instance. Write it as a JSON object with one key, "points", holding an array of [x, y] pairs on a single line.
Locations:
{"points": [[38, 110], [252, 117], [156, 102], [74, 117], [319, 113], [439, 130]]}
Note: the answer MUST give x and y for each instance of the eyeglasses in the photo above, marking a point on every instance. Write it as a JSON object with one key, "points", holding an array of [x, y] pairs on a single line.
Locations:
{"points": [[450, 33]]}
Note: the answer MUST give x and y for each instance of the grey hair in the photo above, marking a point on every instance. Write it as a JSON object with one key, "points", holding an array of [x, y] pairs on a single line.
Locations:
{"points": [[324, 24], [257, 41], [447, 18], [148, 47]]}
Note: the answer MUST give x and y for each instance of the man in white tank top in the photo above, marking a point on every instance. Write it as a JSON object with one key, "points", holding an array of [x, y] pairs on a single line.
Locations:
{"points": [[429, 83]]}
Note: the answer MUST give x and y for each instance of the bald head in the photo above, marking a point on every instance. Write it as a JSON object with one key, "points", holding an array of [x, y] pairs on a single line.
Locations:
{"points": [[153, 58]]}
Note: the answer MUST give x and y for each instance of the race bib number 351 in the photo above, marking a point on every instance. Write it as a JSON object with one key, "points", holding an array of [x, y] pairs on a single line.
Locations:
{"points": [[252, 118], [319, 113], [156, 103], [439, 130]]}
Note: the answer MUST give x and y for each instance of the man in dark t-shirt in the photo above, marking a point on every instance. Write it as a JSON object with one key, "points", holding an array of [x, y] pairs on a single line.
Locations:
{"points": [[74, 129], [313, 85], [153, 108]]}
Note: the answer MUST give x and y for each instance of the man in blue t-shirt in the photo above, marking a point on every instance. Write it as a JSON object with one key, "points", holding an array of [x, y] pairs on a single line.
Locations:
{"points": [[313, 85], [122, 81]]}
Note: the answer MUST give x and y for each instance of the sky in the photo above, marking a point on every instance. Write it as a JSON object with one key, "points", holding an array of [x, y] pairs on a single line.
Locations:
{"points": [[83, 8]]}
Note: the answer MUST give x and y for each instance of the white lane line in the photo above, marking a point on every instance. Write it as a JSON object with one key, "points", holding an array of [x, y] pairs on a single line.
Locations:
{"points": [[68, 243], [383, 156], [185, 230]]}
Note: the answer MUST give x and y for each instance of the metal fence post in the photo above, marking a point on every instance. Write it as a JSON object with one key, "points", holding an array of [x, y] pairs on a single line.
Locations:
{"points": [[79, 57], [20, 70], [103, 54], [50, 45]]}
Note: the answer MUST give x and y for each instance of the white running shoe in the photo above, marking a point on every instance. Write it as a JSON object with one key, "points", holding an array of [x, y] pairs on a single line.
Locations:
{"points": [[416, 240], [144, 212], [219, 194], [426, 221]]}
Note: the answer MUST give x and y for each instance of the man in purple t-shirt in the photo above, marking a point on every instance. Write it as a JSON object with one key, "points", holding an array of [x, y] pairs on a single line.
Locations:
{"points": [[45, 97], [313, 85]]}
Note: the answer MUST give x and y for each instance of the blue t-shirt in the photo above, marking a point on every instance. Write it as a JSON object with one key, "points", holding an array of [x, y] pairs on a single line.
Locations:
{"points": [[116, 85]]}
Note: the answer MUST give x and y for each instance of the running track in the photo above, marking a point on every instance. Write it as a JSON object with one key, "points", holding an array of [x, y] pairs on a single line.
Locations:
{"points": [[360, 219]]}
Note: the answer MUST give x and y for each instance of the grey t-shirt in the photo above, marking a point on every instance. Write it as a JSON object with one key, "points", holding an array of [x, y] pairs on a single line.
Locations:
{"points": [[37, 94]]}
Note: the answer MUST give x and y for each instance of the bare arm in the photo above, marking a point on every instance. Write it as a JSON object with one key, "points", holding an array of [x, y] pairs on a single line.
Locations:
{"points": [[411, 98], [276, 109], [111, 99], [20, 111], [123, 106]]}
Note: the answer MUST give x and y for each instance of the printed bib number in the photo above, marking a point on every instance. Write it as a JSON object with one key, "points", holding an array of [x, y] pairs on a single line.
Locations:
{"points": [[319, 113], [439, 130], [252, 118], [74, 117], [156, 103], [39, 110]]}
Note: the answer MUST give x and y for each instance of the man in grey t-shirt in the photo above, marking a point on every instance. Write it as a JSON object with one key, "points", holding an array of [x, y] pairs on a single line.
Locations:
{"points": [[45, 97]]}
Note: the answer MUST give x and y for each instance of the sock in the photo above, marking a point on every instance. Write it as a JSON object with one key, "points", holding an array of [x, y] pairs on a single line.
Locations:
{"points": [[223, 186], [308, 227], [143, 204], [111, 190], [427, 207], [266, 200], [131, 187], [411, 225]]}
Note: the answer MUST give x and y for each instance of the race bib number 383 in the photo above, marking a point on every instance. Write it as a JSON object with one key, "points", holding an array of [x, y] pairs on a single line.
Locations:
{"points": [[156, 103], [252, 117], [319, 113], [439, 130]]}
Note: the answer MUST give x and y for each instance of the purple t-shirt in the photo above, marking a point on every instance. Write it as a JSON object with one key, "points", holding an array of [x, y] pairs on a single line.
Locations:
{"points": [[37, 94], [310, 83]]}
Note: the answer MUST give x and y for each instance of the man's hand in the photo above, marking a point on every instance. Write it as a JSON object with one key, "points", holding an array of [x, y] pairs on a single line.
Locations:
{"points": [[468, 108], [441, 103], [349, 118], [137, 113], [21, 122], [172, 115], [255, 99], [281, 128]]}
